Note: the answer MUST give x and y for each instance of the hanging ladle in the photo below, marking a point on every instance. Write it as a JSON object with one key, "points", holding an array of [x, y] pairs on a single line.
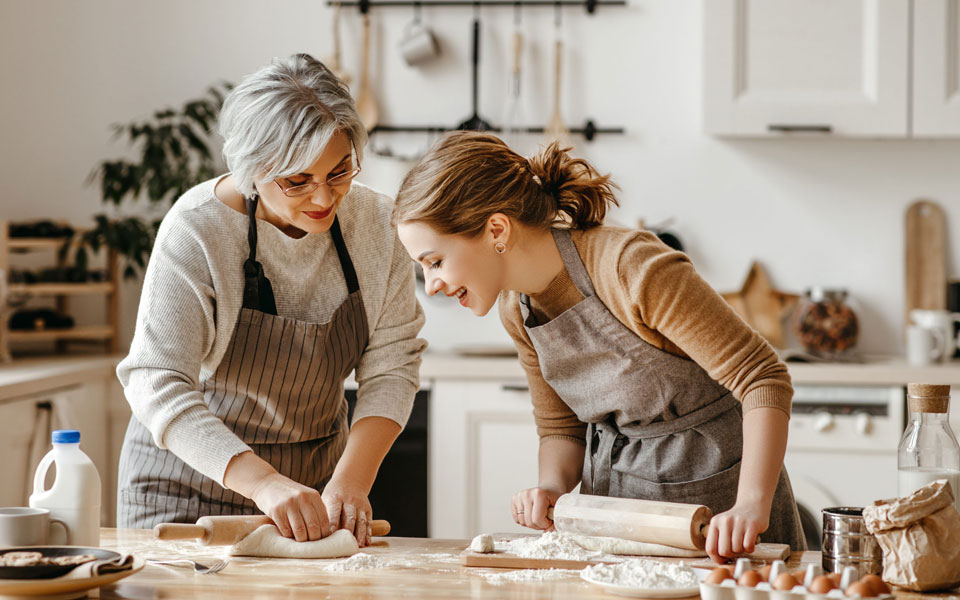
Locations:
{"points": [[475, 122]]}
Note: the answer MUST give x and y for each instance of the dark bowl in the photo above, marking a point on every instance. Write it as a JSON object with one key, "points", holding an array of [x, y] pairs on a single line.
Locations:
{"points": [[50, 571]]}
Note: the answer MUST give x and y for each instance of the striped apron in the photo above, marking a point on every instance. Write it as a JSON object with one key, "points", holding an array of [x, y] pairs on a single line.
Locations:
{"points": [[279, 388], [658, 427]]}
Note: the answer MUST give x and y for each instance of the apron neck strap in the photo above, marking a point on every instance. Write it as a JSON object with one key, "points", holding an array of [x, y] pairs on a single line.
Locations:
{"points": [[572, 261], [349, 273], [257, 291]]}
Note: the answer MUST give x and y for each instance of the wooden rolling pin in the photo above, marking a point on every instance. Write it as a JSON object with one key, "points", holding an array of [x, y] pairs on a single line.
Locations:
{"points": [[668, 523], [228, 530]]}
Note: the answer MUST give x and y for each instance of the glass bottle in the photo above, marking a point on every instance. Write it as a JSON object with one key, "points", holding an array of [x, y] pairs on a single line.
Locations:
{"points": [[928, 449]]}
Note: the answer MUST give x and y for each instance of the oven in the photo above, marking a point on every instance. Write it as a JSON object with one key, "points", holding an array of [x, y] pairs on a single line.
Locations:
{"points": [[842, 448]]}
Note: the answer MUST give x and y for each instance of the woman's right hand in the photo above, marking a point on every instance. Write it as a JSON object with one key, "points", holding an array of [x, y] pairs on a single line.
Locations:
{"points": [[529, 507], [296, 509]]}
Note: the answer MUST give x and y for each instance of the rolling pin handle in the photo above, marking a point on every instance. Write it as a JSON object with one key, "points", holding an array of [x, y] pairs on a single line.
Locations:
{"points": [[379, 527], [178, 531]]}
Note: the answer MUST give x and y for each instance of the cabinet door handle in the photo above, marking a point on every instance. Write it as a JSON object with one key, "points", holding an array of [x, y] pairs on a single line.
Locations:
{"points": [[514, 388], [800, 128]]}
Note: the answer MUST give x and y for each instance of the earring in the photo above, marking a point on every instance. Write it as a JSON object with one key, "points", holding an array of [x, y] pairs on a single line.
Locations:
{"points": [[500, 247]]}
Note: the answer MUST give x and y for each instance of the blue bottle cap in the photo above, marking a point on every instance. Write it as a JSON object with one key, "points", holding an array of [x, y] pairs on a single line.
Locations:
{"points": [[65, 436]]}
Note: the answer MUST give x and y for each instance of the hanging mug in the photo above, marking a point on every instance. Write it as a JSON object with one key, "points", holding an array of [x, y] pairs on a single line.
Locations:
{"points": [[418, 44]]}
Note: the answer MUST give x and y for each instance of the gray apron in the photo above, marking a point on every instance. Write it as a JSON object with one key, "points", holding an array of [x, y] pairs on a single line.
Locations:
{"points": [[658, 427], [279, 388]]}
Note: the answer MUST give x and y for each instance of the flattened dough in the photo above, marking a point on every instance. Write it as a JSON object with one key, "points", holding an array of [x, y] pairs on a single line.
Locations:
{"points": [[609, 545], [266, 541]]}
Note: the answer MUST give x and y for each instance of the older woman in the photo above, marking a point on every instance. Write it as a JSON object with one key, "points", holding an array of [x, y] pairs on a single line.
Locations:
{"points": [[266, 288]]}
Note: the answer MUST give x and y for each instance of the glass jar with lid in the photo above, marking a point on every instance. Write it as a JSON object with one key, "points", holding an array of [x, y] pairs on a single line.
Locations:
{"points": [[928, 449], [826, 322]]}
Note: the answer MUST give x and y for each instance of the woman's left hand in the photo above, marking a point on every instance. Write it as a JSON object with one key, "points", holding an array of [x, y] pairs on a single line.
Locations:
{"points": [[735, 531], [349, 508]]}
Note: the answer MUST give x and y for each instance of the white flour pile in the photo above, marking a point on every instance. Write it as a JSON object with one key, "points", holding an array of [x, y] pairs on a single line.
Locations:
{"points": [[357, 562], [643, 573], [528, 575], [549, 545]]}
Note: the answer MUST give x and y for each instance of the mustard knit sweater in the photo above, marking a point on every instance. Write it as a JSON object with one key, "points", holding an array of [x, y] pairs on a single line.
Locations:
{"points": [[656, 293]]}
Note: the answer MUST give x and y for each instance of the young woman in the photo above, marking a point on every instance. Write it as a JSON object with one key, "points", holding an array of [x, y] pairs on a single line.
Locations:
{"points": [[267, 286], [645, 383]]}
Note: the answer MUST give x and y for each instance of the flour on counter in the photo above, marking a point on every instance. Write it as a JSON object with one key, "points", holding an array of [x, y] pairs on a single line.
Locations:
{"points": [[549, 545], [644, 573], [357, 562], [528, 575]]}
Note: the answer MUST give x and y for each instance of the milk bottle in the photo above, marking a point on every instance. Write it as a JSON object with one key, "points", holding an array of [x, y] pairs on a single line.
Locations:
{"points": [[74, 497], [928, 449]]}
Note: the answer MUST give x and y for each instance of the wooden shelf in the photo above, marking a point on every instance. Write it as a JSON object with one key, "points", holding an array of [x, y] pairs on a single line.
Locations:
{"points": [[35, 243], [90, 332], [58, 289]]}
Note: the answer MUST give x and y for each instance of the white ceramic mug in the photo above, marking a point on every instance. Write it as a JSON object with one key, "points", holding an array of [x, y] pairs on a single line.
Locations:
{"points": [[924, 346], [25, 526], [941, 321], [418, 44]]}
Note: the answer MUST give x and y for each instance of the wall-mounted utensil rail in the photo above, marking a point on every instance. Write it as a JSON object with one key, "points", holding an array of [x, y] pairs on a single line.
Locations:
{"points": [[366, 5]]}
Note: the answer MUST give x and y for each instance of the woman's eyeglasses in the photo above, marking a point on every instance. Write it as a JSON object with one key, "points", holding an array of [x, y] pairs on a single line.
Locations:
{"points": [[333, 181]]}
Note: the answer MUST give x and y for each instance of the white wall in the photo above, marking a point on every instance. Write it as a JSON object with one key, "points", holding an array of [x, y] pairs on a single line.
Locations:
{"points": [[813, 211]]}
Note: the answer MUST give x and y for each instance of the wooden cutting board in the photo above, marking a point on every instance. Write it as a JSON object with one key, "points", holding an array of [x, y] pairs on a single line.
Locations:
{"points": [[501, 560], [926, 257]]}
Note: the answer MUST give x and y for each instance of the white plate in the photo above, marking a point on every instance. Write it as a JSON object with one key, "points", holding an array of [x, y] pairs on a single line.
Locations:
{"points": [[632, 592]]}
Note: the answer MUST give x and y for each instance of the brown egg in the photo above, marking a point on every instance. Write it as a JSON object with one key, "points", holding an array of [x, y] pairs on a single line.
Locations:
{"points": [[821, 585], [718, 575], [784, 582], [765, 572], [749, 579], [877, 585], [859, 589], [836, 578]]}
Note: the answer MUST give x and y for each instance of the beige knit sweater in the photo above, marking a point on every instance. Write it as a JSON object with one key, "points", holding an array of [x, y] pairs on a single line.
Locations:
{"points": [[192, 296], [657, 294]]}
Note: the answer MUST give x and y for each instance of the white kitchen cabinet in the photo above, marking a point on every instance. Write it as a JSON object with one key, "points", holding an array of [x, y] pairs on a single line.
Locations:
{"points": [[482, 449], [834, 67], [936, 68]]}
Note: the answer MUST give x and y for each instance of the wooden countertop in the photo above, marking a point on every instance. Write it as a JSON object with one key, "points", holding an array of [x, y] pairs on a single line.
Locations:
{"points": [[28, 376], [421, 569]]}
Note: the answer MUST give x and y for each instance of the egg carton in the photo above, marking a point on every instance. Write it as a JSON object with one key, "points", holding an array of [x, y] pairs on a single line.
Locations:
{"points": [[729, 590]]}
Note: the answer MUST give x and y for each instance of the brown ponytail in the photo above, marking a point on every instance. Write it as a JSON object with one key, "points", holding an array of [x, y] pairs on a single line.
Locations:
{"points": [[468, 176]]}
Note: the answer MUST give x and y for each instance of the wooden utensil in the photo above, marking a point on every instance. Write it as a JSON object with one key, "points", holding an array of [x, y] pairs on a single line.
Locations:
{"points": [[556, 130], [230, 529], [668, 523], [512, 121], [334, 62], [926, 267], [366, 104], [501, 560]]}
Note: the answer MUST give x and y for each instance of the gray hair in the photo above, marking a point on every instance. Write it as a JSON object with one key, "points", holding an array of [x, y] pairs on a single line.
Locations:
{"points": [[278, 121]]}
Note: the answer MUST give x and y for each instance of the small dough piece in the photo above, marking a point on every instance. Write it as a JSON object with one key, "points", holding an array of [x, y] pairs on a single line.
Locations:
{"points": [[266, 541], [609, 545], [483, 543]]}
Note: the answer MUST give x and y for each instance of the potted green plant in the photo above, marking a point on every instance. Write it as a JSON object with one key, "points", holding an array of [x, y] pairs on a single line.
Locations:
{"points": [[175, 150]]}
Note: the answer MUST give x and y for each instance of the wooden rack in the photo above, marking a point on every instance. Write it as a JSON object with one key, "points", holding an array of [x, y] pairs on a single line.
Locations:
{"points": [[106, 334]]}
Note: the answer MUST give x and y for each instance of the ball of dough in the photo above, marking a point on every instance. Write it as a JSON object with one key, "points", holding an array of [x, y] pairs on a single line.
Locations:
{"points": [[483, 543]]}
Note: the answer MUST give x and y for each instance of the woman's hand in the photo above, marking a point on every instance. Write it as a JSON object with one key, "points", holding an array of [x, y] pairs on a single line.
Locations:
{"points": [[297, 510], [529, 507], [735, 531], [349, 508]]}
